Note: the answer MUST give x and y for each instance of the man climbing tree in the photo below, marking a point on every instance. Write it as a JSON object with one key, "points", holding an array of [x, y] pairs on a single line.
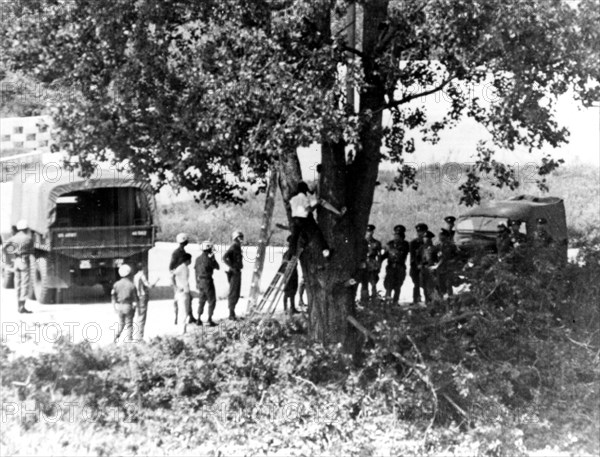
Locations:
{"points": [[194, 93]]}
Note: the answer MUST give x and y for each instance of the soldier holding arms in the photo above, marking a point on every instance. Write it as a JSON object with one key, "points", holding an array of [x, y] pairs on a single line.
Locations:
{"points": [[396, 253], [204, 267]]}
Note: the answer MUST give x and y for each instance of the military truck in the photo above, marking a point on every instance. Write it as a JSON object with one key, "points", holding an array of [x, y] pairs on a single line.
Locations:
{"points": [[476, 229], [83, 228]]}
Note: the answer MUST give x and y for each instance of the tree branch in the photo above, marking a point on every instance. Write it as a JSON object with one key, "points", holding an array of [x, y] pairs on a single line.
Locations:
{"points": [[409, 98], [353, 51]]}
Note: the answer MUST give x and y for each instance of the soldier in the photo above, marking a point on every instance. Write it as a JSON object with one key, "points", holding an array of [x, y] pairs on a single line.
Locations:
{"points": [[415, 260], [234, 260], [517, 239], [450, 220], [396, 253], [125, 299], [204, 267], [177, 259], [142, 287], [291, 287], [503, 244], [182, 284], [20, 247], [447, 255], [541, 237], [373, 265], [429, 259]]}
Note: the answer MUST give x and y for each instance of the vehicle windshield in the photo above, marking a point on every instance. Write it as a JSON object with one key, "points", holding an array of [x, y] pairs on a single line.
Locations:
{"points": [[487, 224], [104, 207]]}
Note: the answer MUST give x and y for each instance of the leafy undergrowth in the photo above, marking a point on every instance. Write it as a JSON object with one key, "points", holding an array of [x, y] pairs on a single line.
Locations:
{"points": [[510, 366]]}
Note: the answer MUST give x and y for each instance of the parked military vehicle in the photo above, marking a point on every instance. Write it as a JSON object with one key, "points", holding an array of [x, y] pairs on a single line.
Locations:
{"points": [[83, 228], [476, 229]]}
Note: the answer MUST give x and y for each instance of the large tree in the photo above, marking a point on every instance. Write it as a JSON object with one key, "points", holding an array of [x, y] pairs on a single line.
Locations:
{"points": [[208, 95]]}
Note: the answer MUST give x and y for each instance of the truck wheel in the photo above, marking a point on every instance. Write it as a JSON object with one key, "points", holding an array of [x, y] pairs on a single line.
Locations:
{"points": [[41, 270]]}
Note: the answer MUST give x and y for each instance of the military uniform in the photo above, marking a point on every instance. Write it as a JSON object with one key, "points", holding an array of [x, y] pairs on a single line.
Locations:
{"points": [[20, 246], [415, 248], [447, 255], [429, 258], [234, 259], [396, 253], [204, 267], [450, 220], [291, 287], [373, 266]]}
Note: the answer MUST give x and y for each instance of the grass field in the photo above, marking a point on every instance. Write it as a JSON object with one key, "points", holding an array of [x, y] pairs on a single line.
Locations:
{"points": [[436, 197]]}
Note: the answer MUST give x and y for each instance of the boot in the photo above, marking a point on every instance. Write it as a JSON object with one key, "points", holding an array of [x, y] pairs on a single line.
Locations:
{"points": [[232, 316], [211, 323], [22, 309]]}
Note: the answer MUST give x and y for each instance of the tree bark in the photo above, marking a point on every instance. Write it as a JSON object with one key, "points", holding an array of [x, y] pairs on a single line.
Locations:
{"points": [[331, 297]]}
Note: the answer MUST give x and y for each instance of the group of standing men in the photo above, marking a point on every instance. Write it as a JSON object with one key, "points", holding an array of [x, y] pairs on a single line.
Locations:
{"points": [[204, 268], [431, 266]]}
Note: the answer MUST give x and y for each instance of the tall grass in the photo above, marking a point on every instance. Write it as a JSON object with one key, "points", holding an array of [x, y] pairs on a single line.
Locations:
{"points": [[437, 196]]}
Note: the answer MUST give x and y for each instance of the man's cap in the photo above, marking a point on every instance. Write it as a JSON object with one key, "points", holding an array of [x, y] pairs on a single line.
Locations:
{"points": [[429, 234], [514, 222], [22, 225], [237, 234], [421, 227], [542, 220], [399, 229], [370, 228], [450, 219], [502, 227], [124, 270], [181, 238], [207, 245]]}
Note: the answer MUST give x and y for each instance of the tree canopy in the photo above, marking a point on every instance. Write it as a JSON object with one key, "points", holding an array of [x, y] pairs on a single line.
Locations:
{"points": [[200, 92]]}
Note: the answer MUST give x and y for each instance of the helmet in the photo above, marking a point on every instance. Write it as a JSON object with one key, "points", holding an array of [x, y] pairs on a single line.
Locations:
{"points": [[207, 245], [450, 219], [22, 225], [237, 234], [181, 238], [421, 227], [124, 270]]}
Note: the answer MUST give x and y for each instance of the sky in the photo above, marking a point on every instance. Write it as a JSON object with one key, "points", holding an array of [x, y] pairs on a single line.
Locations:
{"points": [[459, 144]]}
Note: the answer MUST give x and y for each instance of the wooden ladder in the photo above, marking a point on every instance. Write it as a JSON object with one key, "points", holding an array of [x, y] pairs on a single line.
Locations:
{"points": [[268, 301]]}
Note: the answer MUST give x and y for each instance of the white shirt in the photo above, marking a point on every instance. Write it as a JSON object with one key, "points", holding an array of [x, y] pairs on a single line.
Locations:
{"points": [[301, 205], [182, 278]]}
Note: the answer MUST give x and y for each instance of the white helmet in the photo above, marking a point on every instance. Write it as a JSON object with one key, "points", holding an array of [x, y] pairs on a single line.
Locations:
{"points": [[207, 245], [124, 270], [22, 225], [181, 238], [236, 234]]}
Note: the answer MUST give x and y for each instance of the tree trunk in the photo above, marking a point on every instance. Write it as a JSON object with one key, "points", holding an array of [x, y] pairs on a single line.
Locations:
{"points": [[331, 297]]}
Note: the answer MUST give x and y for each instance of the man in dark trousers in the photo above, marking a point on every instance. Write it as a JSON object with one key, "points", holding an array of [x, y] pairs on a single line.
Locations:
{"points": [[20, 247], [234, 260], [450, 220], [177, 258], [445, 268], [303, 222], [373, 265], [204, 267], [396, 253], [415, 260], [429, 260], [291, 287]]}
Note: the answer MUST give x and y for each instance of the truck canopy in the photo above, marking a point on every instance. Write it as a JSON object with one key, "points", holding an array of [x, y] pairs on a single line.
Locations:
{"points": [[527, 208], [36, 197]]}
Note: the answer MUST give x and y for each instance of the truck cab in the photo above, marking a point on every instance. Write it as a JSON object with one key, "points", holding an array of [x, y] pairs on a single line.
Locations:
{"points": [[84, 228]]}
